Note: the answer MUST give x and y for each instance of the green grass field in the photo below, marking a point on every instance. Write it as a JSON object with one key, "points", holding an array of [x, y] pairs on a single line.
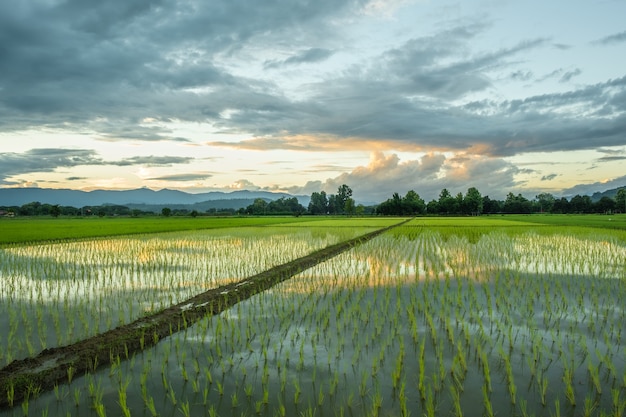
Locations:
{"points": [[34, 229], [586, 220]]}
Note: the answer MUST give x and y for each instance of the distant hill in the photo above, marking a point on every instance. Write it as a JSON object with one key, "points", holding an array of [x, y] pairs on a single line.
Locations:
{"points": [[142, 197], [608, 193]]}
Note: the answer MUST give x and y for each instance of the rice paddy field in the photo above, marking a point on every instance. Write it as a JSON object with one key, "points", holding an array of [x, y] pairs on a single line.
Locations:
{"points": [[438, 316]]}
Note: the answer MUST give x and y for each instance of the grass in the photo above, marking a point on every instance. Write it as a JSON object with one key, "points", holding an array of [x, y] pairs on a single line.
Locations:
{"points": [[602, 221], [38, 229]]}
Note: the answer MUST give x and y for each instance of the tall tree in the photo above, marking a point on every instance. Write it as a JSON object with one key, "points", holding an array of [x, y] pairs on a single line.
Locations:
{"points": [[343, 194], [561, 205], [473, 202], [517, 204], [318, 203], [545, 201], [581, 204], [349, 207], [447, 203], [620, 200], [412, 203], [333, 206]]}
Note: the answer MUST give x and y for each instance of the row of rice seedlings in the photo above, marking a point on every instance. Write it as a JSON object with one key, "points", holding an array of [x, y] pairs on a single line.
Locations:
{"points": [[55, 294], [391, 327]]}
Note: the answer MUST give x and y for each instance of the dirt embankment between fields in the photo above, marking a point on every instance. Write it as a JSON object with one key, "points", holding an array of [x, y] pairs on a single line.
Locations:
{"points": [[28, 377]]}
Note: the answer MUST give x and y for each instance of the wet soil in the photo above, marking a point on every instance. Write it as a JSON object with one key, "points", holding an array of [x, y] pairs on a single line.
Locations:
{"points": [[28, 377]]}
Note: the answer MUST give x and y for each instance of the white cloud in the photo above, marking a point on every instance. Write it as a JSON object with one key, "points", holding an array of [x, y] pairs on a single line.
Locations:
{"points": [[428, 175]]}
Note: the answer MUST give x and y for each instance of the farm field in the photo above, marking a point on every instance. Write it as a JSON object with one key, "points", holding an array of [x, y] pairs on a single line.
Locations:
{"points": [[587, 220], [24, 230], [440, 316]]}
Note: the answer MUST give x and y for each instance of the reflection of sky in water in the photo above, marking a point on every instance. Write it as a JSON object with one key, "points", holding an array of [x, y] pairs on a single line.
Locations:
{"points": [[338, 318], [175, 264], [102, 283]]}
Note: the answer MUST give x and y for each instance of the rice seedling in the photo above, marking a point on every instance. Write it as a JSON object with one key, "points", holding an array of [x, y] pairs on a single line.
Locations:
{"points": [[450, 299]]}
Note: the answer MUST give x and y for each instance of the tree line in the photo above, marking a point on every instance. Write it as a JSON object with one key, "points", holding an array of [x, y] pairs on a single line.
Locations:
{"points": [[472, 203]]}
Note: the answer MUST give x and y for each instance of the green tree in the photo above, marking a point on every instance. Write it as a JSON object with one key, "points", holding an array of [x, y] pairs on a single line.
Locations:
{"points": [[343, 194], [620, 200], [546, 202], [166, 211], [349, 207], [318, 203], [605, 205], [517, 204], [258, 207], [55, 210], [412, 203], [447, 203], [473, 202], [581, 204], [561, 205], [333, 205], [432, 207]]}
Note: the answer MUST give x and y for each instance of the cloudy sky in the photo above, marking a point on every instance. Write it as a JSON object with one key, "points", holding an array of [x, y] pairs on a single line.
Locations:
{"points": [[302, 96]]}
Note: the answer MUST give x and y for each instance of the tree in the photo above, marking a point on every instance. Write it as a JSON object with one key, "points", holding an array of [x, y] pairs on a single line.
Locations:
{"points": [[55, 210], [517, 204], [390, 207], [412, 203], [333, 206], [620, 200], [605, 205], [581, 204], [545, 201], [343, 194], [318, 203], [473, 202], [561, 206], [447, 203], [258, 207], [166, 211], [349, 207], [432, 207], [492, 206]]}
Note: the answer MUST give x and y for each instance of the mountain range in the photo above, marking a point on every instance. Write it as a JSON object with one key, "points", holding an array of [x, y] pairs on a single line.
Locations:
{"points": [[139, 198]]}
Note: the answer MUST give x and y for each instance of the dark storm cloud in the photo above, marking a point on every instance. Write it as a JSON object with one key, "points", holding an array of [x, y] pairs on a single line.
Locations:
{"points": [[406, 97], [76, 61], [107, 66], [50, 159], [45, 160]]}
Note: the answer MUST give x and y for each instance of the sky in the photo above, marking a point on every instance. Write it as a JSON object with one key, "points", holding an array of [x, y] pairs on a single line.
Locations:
{"points": [[301, 96]]}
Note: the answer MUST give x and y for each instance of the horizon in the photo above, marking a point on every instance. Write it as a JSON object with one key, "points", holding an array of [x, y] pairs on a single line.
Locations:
{"points": [[382, 95], [357, 199]]}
